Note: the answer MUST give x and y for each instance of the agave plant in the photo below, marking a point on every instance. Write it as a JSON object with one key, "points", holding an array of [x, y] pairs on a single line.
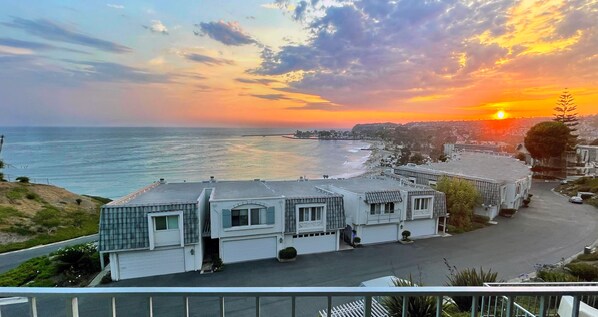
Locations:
{"points": [[468, 277], [417, 306]]}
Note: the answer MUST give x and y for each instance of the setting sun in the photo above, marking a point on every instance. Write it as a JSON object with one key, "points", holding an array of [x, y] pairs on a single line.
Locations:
{"points": [[500, 115]]}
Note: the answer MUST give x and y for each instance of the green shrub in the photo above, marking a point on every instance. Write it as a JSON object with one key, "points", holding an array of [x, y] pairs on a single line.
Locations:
{"points": [[356, 240], [20, 229], [468, 277], [81, 258], [16, 193], [583, 271], [36, 268], [287, 253], [22, 179], [48, 217], [480, 219], [548, 275], [406, 234], [106, 279], [103, 200], [9, 212], [79, 201], [588, 257], [417, 306]]}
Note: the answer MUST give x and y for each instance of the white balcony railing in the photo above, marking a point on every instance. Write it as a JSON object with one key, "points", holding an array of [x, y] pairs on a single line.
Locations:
{"points": [[270, 301], [311, 225]]}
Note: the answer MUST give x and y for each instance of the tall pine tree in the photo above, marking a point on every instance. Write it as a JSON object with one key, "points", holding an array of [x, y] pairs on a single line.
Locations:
{"points": [[565, 112]]}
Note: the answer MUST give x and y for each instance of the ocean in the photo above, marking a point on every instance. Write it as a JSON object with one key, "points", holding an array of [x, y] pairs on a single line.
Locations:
{"points": [[112, 162]]}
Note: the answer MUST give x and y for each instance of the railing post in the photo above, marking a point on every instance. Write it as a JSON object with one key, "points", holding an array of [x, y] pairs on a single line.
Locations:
{"points": [[221, 306], [293, 306], [113, 306], [74, 307], [151, 307], [542, 312], [474, 306], [186, 306], [329, 309], [575, 308], [509, 306], [438, 306], [257, 306], [368, 306], [404, 308], [33, 307]]}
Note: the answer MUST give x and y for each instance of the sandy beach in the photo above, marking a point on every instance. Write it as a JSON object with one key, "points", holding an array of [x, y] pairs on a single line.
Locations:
{"points": [[378, 152]]}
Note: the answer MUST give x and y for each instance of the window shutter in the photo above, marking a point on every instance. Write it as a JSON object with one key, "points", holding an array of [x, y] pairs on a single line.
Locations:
{"points": [[270, 215], [226, 219]]}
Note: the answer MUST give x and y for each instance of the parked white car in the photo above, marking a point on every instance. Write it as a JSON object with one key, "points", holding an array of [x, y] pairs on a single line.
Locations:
{"points": [[576, 200]]}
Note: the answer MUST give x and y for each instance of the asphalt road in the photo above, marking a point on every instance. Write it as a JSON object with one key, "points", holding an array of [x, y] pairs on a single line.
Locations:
{"points": [[12, 259], [549, 230]]}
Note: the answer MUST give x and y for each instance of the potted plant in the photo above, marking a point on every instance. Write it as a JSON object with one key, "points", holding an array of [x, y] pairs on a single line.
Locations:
{"points": [[356, 241], [405, 240], [217, 264], [287, 254]]}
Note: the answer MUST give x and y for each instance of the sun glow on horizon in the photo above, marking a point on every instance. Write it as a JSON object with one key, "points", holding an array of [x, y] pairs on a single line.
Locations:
{"points": [[500, 114]]}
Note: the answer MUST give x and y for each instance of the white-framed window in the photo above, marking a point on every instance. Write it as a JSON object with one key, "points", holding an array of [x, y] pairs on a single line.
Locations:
{"points": [[165, 228], [389, 208], [421, 207], [432, 184], [385, 208], [248, 216], [310, 213], [412, 180], [166, 222], [311, 217]]}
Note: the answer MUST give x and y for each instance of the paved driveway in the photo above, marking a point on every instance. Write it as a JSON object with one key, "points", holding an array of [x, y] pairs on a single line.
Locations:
{"points": [[549, 230]]}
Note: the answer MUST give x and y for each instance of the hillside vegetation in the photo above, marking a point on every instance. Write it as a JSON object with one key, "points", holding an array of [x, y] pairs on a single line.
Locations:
{"points": [[33, 214], [584, 184]]}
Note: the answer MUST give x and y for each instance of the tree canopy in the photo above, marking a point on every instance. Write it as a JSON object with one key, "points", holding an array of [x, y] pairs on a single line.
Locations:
{"points": [[564, 112], [547, 139], [461, 199]]}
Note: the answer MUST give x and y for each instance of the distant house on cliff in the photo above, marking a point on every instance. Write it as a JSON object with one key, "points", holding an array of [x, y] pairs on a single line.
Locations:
{"points": [[502, 181]]}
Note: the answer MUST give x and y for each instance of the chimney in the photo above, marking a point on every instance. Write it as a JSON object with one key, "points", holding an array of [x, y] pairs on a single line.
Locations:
{"points": [[212, 179], [162, 181]]}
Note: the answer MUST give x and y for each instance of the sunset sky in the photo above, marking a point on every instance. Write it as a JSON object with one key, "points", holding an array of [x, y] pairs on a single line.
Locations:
{"points": [[312, 63]]}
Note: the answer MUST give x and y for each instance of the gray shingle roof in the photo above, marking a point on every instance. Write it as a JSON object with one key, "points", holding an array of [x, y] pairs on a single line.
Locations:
{"points": [[482, 166], [383, 197], [335, 212], [125, 227]]}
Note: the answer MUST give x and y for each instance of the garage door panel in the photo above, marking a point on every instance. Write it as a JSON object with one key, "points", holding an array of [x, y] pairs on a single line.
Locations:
{"points": [[420, 228], [150, 263], [248, 250], [379, 234], [315, 244]]}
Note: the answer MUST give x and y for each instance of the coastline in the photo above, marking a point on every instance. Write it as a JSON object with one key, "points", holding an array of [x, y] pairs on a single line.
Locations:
{"points": [[372, 165]]}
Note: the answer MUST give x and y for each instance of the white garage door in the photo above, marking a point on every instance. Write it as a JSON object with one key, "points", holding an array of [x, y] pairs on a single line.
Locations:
{"points": [[380, 233], [149, 263], [306, 244], [248, 250], [420, 228]]}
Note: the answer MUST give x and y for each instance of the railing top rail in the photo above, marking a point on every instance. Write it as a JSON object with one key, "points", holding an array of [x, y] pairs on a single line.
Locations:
{"points": [[301, 291], [520, 284]]}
